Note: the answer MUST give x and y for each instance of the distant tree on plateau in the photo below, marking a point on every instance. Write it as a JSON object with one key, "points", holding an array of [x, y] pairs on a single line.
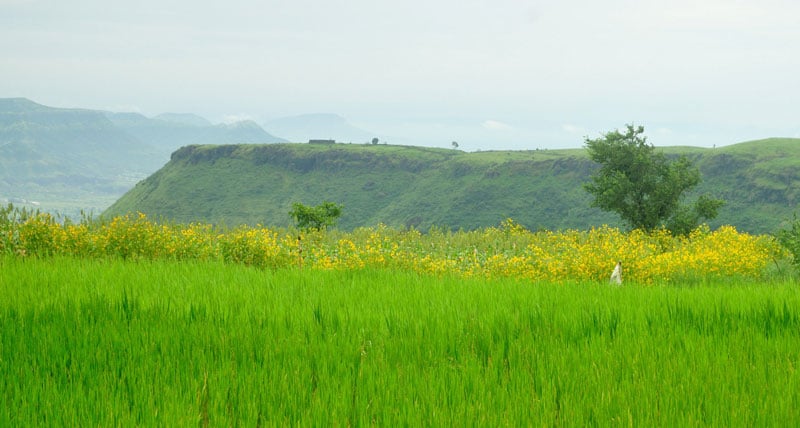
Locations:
{"points": [[315, 218], [643, 186]]}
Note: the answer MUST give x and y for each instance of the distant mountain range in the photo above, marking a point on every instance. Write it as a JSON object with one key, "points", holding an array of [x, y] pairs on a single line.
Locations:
{"points": [[67, 160], [184, 119], [168, 132]]}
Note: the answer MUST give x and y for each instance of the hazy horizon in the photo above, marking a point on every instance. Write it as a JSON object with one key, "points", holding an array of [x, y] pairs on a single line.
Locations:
{"points": [[502, 74]]}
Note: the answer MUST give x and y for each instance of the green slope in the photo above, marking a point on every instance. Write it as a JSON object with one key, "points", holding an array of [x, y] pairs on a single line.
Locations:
{"points": [[760, 180], [395, 185], [414, 186]]}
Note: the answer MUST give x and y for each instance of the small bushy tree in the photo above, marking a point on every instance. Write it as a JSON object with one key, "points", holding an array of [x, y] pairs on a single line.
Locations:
{"points": [[643, 186], [316, 218]]}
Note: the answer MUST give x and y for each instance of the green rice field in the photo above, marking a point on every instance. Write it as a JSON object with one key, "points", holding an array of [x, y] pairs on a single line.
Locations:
{"points": [[109, 342]]}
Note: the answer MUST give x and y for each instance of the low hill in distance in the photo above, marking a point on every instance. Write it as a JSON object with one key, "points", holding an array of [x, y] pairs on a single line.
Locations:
{"points": [[68, 160], [421, 187], [184, 118], [171, 131]]}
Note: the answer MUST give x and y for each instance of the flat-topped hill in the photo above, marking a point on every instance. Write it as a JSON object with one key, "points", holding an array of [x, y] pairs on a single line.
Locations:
{"points": [[420, 187]]}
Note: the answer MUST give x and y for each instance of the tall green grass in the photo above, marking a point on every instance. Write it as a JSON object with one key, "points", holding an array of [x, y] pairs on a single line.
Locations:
{"points": [[109, 342]]}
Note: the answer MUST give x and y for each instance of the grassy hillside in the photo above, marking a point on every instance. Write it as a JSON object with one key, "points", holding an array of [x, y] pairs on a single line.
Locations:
{"points": [[421, 187], [398, 186], [760, 180]]}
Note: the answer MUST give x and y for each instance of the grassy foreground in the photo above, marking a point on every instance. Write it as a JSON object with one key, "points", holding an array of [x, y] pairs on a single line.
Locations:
{"points": [[106, 342]]}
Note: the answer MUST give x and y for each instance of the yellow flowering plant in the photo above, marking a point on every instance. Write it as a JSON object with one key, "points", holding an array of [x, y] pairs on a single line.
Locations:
{"points": [[509, 250]]}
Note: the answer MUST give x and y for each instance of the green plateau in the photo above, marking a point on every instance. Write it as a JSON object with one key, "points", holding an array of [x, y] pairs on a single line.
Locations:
{"points": [[420, 187]]}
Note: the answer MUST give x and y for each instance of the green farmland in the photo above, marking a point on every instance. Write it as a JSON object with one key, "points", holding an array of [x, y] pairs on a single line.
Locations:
{"points": [[107, 342]]}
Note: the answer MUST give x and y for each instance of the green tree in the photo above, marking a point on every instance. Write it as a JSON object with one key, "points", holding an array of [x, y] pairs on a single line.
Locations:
{"points": [[790, 239], [643, 186], [318, 217]]}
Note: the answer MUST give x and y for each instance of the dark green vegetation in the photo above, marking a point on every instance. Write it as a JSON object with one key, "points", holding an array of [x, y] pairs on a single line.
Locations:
{"points": [[318, 217], [643, 186], [65, 160], [394, 185], [415, 186], [112, 343], [789, 237]]}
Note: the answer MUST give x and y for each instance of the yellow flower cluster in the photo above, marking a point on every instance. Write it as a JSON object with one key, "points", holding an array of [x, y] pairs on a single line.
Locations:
{"points": [[506, 251]]}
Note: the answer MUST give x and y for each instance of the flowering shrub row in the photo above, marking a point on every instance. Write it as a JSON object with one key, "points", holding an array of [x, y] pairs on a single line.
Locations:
{"points": [[505, 251]]}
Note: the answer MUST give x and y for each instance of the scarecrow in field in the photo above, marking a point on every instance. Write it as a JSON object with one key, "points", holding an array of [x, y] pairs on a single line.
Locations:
{"points": [[616, 275]]}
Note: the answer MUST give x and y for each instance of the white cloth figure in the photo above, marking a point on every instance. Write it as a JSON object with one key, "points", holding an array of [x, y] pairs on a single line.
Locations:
{"points": [[616, 276]]}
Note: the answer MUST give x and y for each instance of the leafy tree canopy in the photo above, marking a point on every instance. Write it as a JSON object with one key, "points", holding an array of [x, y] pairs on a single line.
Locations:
{"points": [[318, 217], [643, 186]]}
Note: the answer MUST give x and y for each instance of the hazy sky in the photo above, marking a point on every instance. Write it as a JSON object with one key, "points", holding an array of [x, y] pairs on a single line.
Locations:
{"points": [[490, 74]]}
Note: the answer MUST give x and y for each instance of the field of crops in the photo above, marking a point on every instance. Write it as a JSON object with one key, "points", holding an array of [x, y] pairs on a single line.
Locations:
{"points": [[110, 342], [132, 322], [507, 251]]}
